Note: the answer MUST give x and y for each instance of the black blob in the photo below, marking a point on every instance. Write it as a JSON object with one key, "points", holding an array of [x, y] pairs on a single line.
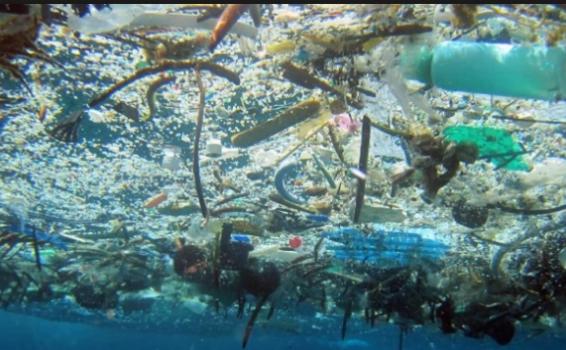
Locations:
{"points": [[66, 131], [445, 313], [15, 9], [88, 297], [469, 215], [502, 331], [260, 279], [187, 256]]}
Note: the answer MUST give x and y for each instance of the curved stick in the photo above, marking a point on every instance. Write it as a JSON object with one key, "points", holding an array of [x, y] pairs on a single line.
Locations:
{"points": [[166, 65], [67, 129], [150, 95]]}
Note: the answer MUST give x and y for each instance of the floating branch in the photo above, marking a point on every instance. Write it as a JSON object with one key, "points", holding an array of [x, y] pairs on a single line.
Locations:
{"points": [[166, 65], [335, 143], [15, 71], [324, 171], [389, 131], [288, 118], [280, 200], [67, 129], [301, 76], [231, 198]]}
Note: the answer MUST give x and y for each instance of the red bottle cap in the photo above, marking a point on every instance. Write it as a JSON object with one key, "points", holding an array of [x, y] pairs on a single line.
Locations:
{"points": [[295, 242]]}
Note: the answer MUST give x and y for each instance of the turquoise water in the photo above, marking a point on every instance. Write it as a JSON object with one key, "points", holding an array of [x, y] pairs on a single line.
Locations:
{"points": [[282, 185]]}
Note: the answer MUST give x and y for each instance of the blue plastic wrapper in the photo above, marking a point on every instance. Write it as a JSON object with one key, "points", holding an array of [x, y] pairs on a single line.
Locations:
{"points": [[384, 247], [41, 236], [240, 238]]}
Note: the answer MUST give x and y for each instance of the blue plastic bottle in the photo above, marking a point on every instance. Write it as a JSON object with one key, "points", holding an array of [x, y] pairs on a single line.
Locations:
{"points": [[521, 71]]}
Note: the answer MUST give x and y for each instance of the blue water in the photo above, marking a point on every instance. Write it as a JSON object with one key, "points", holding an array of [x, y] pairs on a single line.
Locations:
{"points": [[26, 332]]}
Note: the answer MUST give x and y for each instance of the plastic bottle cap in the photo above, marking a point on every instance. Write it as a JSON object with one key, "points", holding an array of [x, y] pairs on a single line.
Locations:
{"points": [[295, 242], [214, 148]]}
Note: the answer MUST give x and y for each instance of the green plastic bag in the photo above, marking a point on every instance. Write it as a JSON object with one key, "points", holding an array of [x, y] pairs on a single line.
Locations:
{"points": [[495, 145]]}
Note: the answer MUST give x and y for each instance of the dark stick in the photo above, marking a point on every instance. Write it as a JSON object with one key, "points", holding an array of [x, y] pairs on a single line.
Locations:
{"points": [[36, 250], [364, 153], [347, 315], [232, 209], [529, 120], [231, 198], [252, 319], [529, 211], [150, 95], [336, 144], [196, 166]]}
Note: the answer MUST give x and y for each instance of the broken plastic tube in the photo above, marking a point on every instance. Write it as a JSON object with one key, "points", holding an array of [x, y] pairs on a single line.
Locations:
{"points": [[521, 71]]}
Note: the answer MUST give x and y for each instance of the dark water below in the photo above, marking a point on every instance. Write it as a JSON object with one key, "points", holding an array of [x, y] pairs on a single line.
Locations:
{"points": [[26, 332]]}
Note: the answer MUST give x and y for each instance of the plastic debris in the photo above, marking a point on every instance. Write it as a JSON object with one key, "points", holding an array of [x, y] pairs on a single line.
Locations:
{"points": [[155, 200], [295, 242], [384, 247], [493, 144], [495, 69]]}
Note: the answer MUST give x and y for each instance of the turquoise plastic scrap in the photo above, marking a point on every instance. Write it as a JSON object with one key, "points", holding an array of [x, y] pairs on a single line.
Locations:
{"points": [[383, 247], [522, 71], [41, 236], [495, 145]]}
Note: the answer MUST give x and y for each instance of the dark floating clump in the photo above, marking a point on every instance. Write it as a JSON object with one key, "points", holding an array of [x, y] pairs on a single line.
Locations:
{"points": [[261, 280], [469, 215], [67, 130]]}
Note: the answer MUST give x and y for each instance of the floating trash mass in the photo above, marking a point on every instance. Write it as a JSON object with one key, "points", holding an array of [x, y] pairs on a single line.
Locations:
{"points": [[165, 165]]}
